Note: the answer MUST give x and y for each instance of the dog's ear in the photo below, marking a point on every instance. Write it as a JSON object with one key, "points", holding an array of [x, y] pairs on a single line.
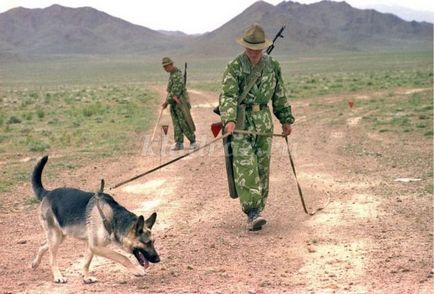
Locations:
{"points": [[151, 220], [140, 224]]}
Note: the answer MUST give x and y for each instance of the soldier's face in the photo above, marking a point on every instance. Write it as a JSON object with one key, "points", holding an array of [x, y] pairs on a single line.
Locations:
{"points": [[168, 67], [254, 55]]}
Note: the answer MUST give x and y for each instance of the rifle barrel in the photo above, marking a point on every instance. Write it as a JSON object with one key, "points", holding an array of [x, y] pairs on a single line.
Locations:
{"points": [[185, 74], [279, 34]]}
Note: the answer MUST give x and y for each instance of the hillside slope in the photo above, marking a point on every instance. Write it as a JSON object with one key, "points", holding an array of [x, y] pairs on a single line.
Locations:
{"points": [[323, 26]]}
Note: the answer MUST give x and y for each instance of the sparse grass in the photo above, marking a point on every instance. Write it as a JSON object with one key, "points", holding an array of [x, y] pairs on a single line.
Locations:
{"points": [[429, 189], [37, 146], [314, 76], [401, 113], [104, 118], [320, 84], [81, 123], [428, 133], [5, 186], [12, 174], [32, 201]]}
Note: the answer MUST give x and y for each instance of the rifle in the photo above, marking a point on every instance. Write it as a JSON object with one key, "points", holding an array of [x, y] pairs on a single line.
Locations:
{"points": [[185, 106], [278, 35], [185, 75]]}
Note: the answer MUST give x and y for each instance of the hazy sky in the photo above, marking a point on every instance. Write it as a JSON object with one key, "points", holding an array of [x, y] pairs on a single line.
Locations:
{"points": [[189, 16]]}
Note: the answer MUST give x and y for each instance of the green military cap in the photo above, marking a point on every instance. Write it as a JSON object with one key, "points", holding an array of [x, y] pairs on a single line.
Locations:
{"points": [[166, 61], [254, 38]]}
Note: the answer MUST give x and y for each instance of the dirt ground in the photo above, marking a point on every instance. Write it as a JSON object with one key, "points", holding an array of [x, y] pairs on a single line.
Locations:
{"points": [[375, 236]]}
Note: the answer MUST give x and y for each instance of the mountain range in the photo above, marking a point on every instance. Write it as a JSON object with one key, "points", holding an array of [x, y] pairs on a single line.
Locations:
{"points": [[325, 25], [403, 12]]}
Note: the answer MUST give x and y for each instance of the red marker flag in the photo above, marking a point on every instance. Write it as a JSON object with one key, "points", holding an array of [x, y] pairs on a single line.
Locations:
{"points": [[216, 128], [165, 129]]}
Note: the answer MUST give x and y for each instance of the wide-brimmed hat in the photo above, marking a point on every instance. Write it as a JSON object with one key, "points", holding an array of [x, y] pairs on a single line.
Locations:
{"points": [[254, 38], [166, 61]]}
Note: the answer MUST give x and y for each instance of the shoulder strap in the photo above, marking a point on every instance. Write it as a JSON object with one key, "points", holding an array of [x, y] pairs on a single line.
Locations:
{"points": [[252, 78]]}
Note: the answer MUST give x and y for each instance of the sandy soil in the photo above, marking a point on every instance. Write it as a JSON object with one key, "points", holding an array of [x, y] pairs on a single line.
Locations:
{"points": [[375, 235]]}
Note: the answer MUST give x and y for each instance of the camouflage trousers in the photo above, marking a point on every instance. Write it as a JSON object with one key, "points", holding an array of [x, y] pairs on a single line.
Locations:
{"points": [[251, 162], [180, 126]]}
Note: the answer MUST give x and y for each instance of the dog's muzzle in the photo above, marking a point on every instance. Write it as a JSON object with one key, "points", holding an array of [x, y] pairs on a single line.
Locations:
{"points": [[144, 258]]}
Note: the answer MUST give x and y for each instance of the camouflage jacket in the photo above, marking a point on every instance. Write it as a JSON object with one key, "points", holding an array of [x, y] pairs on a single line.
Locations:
{"points": [[176, 87], [268, 87]]}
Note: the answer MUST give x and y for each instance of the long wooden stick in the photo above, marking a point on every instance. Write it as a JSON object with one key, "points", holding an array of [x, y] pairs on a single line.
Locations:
{"points": [[300, 193], [156, 125], [169, 162], [246, 132]]}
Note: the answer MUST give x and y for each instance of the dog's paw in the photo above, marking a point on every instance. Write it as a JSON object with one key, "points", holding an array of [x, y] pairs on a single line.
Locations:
{"points": [[138, 271], [60, 280], [89, 280]]}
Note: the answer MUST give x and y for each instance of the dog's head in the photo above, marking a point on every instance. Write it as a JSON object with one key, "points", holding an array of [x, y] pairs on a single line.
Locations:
{"points": [[139, 241]]}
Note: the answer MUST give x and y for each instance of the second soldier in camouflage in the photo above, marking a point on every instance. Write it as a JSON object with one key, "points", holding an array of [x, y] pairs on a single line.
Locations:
{"points": [[177, 98]]}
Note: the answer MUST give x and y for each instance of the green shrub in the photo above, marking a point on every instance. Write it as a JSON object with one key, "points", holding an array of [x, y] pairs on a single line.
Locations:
{"points": [[38, 146], [40, 113], [13, 120]]}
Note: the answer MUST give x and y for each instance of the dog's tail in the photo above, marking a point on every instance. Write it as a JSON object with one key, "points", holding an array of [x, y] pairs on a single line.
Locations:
{"points": [[39, 189]]}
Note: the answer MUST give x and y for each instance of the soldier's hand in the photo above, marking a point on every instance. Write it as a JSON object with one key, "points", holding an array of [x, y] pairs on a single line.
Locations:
{"points": [[286, 129], [177, 100], [164, 105], [230, 127]]}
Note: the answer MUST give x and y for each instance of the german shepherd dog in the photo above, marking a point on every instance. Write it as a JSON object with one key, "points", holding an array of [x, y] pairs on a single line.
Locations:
{"points": [[95, 218]]}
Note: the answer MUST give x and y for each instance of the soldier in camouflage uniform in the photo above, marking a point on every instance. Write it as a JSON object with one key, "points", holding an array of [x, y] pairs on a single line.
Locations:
{"points": [[251, 153], [181, 117]]}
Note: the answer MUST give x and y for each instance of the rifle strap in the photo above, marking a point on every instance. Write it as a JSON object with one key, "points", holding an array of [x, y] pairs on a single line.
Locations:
{"points": [[255, 74], [185, 79]]}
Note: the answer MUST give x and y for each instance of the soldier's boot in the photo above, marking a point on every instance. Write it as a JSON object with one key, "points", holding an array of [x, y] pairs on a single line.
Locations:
{"points": [[254, 220], [193, 145], [178, 146]]}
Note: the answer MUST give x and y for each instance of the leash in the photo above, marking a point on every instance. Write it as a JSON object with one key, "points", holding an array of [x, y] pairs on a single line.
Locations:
{"points": [[169, 162], [298, 184]]}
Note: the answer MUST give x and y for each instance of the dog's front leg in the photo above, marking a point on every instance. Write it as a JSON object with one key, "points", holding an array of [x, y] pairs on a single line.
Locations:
{"points": [[88, 279], [119, 258]]}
